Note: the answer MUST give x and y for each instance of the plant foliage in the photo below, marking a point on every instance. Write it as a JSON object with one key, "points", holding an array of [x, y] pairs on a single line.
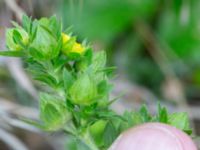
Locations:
{"points": [[76, 100]]}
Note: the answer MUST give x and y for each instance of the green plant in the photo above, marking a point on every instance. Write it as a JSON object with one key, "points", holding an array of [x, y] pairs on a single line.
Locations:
{"points": [[76, 95]]}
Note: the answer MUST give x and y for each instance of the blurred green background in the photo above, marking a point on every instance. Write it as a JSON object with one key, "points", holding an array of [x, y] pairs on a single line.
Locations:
{"points": [[151, 42], [155, 45]]}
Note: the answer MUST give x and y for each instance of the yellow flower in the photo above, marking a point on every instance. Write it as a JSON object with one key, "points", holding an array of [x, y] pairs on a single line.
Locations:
{"points": [[77, 48], [65, 38], [71, 47]]}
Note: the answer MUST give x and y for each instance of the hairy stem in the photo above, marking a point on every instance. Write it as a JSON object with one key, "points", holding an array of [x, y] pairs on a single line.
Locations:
{"points": [[86, 139]]}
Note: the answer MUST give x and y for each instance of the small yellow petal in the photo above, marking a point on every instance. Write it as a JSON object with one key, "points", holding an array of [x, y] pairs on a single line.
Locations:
{"points": [[65, 38], [78, 48]]}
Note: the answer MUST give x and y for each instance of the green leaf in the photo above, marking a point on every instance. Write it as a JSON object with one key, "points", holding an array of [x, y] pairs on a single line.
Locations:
{"points": [[73, 143], [97, 131], [68, 79], [26, 23], [12, 53], [110, 134], [180, 121], [133, 118], [103, 87], [46, 78], [145, 114], [109, 71], [59, 63], [17, 37], [99, 61], [162, 114], [51, 25], [33, 123], [55, 26], [33, 30], [73, 56], [85, 61], [35, 53], [88, 55]]}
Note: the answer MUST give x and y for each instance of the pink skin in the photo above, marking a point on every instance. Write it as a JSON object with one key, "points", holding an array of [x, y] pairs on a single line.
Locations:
{"points": [[153, 136]]}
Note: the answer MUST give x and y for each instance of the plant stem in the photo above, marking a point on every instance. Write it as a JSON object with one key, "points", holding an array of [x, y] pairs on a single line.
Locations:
{"points": [[86, 138]]}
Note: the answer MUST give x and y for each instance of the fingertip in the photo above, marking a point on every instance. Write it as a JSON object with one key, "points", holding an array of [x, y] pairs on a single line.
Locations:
{"points": [[153, 136]]}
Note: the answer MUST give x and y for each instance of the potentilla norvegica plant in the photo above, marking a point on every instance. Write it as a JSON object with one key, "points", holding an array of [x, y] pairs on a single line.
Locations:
{"points": [[75, 99]]}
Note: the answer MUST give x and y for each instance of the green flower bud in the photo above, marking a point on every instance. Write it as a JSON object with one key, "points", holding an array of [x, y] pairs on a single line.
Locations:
{"points": [[83, 91], [44, 45], [16, 38], [53, 113]]}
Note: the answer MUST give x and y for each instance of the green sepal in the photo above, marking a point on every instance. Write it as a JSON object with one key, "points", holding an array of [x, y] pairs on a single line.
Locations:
{"points": [[97, 131], [178, 120], [16, 39], [52, 25], [12, 53], [68, 79], [110, 134], [83, 91], [132, 119], [26, 23], [162, 114], [34, 123], [146, 117], [99, 61], [85, 61]]}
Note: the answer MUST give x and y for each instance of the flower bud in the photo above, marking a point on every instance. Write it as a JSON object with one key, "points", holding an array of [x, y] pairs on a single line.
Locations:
{"points": [[83, 91], [77, 48], [53, 113], [70, 46], [16, 38], [153, 136], [45, 45]]}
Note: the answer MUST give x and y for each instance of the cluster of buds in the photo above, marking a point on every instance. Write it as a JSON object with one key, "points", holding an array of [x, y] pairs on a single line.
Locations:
{"points": [[43, 40], [75, 74], [76, 97]]}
